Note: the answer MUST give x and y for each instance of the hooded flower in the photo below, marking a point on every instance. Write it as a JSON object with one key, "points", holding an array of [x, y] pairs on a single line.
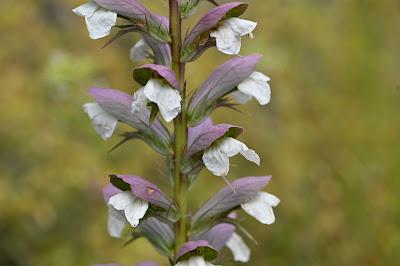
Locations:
{"points": [[216, 157], [99, 21], [160, 87], [167, 99], [238, 247], [140, 51], [260, 207], [254, 86], [228, 34], [130, 206], [133, 207], [194, 261], [103, 122]]}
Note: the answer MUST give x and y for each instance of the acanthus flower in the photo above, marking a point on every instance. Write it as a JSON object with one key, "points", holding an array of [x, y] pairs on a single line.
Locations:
{"points": [[216, 157], [160, 87], [130, 206], [261, 207], [99, 21], [254, 86], [228, 34]]}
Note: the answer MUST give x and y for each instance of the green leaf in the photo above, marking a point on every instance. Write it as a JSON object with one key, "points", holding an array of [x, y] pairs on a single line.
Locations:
{"points": [[119, 183], [154, 112]]}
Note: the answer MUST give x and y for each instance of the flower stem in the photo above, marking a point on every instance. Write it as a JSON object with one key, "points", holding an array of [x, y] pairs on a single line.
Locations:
{"points": [[180, 123]]}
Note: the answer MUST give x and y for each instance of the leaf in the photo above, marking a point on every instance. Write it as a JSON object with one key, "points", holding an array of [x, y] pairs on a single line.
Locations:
{"points": [[154, 111]]}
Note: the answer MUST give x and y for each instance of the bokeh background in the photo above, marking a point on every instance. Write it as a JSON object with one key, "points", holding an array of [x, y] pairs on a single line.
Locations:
{"points": [[330, 136]]}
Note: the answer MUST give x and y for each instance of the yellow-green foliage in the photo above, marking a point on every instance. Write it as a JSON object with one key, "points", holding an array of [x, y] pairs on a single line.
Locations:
{"points": [[330, 136]]}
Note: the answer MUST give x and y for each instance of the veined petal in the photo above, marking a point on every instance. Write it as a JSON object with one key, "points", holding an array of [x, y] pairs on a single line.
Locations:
{"points": [[216, 161], [139, 102], [133, 207], [228, 41], [260, 207], [167, 98], [116, 222], [139, 51], [99, 21], [103, 122], [240, 250], [240, 26], [256, 86]]}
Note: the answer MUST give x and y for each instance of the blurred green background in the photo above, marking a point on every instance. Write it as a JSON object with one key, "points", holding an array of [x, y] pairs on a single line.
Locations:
{"points": [[330, 136]]}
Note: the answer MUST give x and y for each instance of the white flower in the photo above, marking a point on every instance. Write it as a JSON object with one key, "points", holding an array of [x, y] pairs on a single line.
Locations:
{"points": [[240, 250], [103, 122], [260, 207], [99, 21], [133, 207], [229, 33], [216, 157], [116, 222], [139, 51], [194, 261], [167, 98], [254, 86]]}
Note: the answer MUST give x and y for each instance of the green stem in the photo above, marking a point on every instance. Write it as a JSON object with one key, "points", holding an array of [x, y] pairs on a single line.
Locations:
{"points": [[180, 179]]}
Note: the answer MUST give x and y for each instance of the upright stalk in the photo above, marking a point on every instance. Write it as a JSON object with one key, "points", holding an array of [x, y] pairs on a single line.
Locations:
{"points": [[180, 179]]}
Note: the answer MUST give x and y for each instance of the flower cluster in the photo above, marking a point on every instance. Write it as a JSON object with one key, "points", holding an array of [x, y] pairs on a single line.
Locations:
{"points": [[138, 208]]}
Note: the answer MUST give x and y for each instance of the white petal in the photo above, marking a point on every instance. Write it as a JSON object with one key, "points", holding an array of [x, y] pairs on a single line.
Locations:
{"points": [[103, 123], [140, 51], [99, 21], [139, 102], [257, 86], [241, 97], [250, 155], [216, 158], [240, 250], [133, 207], [216, 161], [228, 41], [86, 10], [240, 26], [231, 147], [116, 222], [167, 98], [261, 207]]}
